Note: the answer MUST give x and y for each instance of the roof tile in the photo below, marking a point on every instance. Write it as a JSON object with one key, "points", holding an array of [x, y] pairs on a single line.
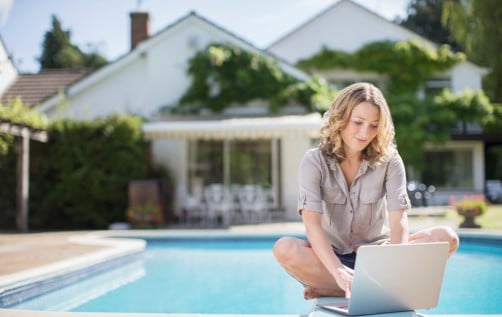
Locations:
{"points": [[34, 88]]}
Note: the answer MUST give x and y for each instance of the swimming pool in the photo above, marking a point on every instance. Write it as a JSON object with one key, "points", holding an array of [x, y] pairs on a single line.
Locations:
{"points": [[239, 275]]}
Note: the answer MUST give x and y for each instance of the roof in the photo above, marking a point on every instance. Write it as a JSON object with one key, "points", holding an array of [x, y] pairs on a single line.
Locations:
{"points": [[239, 128], [35, 88]]}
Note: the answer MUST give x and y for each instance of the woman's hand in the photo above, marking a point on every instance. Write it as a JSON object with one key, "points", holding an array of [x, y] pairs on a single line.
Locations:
{"points": [[321, 247], [344, 277]]}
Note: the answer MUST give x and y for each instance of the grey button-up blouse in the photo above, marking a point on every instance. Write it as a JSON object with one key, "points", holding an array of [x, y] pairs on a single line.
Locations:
{"points": [[357, 215]]}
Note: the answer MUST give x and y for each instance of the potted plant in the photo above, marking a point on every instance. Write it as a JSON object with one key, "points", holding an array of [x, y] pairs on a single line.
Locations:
{"points": [[470, 208], [145, 216]]}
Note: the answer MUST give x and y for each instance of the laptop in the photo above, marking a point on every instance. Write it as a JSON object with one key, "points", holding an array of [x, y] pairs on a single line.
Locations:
{"points": [[395, 278]]}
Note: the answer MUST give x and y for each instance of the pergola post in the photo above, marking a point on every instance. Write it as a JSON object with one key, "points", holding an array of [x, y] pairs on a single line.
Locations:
{"points": [[24, 133], [23, 180]]}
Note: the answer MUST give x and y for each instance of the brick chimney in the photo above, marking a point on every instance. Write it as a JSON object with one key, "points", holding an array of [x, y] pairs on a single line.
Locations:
{"points": [[140, 27]]}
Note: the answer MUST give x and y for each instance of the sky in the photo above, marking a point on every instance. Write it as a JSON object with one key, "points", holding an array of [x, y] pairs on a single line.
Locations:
{"points": [[103, 26]]}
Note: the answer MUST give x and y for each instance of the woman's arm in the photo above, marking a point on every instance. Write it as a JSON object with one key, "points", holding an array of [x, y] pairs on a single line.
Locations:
{"points": [[323, 250], [397, 200], [398, 221]]}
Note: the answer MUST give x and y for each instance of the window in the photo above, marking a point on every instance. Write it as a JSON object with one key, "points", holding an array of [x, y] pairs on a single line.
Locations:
{"points": [[250, 162], [449, 169], [206, 161], [435, 86]]}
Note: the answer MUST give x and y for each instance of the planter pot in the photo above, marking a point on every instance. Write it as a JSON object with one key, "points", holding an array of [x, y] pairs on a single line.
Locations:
{"points": [[469, 218]]}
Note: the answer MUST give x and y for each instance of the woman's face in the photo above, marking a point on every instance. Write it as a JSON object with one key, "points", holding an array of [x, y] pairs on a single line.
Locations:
{"points": [[361, 128]]}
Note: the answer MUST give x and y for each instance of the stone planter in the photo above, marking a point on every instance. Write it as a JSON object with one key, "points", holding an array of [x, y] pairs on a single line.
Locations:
{"points": [[469, 218], [471, 207]]}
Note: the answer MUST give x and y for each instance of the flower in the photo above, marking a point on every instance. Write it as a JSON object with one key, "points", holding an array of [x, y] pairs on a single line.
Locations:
{"points": [[474, 204], [145, 214]]}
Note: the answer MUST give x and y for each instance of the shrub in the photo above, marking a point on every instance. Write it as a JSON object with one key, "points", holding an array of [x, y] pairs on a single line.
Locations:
{"points": [[80, 178]]}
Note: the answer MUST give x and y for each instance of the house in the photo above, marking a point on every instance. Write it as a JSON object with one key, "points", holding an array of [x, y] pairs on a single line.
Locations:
{"points": [[246, 145], [347, 26], [242, 146]]}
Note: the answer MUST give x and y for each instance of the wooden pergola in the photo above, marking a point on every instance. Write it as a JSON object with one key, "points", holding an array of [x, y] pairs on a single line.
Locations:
{"points": [[24, 133]]}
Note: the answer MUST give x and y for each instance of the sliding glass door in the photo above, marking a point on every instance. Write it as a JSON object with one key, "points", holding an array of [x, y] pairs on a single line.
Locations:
{"points": [[234, 162]]}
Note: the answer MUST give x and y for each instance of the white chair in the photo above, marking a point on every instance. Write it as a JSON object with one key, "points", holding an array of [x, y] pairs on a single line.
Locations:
{"points": [[218, 204], [194, 208], [253, 203], [272, 204], [237, 216]]}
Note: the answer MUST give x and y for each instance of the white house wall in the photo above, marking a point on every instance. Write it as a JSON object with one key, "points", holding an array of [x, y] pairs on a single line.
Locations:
{"points": [[8, 72], [172, 154], [292, 152], [123, 91], [168, 57], [462, 78]]}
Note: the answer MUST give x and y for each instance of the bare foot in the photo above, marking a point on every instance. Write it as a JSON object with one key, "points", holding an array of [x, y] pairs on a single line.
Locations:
{"points": [[309, 292]]}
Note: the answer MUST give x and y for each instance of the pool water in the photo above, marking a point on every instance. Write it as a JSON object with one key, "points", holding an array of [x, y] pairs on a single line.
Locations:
{"points": [[241, 276], [473, 281]]}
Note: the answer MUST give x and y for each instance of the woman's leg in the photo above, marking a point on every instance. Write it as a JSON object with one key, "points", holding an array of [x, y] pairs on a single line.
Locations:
{"points": [[437, 234], [298, 259]]}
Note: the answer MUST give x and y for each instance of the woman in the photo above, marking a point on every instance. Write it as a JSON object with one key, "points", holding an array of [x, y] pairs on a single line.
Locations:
{"points": [[352, 192]]}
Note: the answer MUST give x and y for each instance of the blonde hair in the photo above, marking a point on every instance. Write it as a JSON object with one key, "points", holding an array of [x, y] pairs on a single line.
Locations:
{"points": [[381, 148]]}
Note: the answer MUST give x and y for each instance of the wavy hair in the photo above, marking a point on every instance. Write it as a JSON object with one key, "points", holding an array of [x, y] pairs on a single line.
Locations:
{"points": [[381, 148]]}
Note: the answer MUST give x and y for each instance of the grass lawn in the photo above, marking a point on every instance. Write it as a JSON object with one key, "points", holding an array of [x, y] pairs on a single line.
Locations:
{"points": [[491, 219]]}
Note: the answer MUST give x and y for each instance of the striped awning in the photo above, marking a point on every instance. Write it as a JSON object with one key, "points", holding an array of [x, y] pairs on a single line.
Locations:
{"points": [[239, 128]]}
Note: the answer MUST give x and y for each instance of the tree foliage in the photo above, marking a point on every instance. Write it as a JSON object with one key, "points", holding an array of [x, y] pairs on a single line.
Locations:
{"points": [[424, 18], [13, 112], [18, 113], [224, 75], [59, 52], [407, 64], [432, 120], [91, 159], [79, 178], [477, 26]]}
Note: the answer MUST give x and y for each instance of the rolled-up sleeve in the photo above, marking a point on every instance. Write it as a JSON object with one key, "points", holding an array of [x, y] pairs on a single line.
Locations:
{"points": [[397, 196], [309, 174]]}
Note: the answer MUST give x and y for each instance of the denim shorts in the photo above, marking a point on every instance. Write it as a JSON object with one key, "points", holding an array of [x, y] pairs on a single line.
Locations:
{"points": [[348, 260]]}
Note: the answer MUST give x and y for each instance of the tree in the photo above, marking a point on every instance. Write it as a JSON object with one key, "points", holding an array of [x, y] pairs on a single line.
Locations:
{"points": [[59, 52], [476, 25], [424, 18]]}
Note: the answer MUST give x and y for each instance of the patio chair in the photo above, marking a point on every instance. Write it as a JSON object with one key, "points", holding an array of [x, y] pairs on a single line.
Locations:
{"points": [[218, 204], [194, 208], [253, 203]]}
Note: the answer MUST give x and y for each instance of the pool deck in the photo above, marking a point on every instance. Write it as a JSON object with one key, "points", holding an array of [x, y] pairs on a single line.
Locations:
{"points": [[28, 256]]}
